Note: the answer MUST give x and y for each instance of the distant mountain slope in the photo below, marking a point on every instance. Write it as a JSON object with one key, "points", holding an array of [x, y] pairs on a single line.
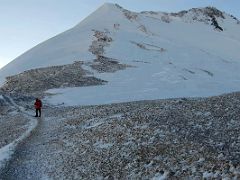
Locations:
{"points": [[189, 53]]}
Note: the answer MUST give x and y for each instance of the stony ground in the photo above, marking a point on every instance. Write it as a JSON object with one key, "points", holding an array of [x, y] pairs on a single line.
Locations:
{"points": [[36, 81], [12, 127], [172, 139], [12, 122]]}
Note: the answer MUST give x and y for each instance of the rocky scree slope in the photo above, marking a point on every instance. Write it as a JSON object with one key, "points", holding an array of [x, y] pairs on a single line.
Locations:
{"points": [[174, 138]]}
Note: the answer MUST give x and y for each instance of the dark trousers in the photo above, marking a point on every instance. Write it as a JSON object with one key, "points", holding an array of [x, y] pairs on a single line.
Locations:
{"points": [[38, 111]]}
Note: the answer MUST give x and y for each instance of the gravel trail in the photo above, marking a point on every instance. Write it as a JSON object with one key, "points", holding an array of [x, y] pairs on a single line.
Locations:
{"points": [[29, 160]]}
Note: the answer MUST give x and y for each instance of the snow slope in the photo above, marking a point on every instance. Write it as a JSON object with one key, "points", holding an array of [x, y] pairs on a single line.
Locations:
{"points": [[173, 55]]}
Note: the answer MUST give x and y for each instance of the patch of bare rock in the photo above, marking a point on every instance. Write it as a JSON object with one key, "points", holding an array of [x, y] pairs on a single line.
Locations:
{"points": [[42, 79]]}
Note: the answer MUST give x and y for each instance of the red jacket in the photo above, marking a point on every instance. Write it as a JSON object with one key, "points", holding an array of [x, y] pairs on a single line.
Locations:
{"points": [[38, 104]]}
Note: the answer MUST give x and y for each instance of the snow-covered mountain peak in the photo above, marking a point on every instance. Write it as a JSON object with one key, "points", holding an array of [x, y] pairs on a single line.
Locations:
{"points": [[134, 56], [109, 6]]}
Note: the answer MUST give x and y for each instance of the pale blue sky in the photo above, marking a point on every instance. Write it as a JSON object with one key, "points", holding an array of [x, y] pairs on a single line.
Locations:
{"points": [[25, 23]]}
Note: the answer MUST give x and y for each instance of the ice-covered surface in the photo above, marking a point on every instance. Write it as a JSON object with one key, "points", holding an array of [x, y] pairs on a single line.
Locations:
{"points": [[160, 139], [172, 55]]}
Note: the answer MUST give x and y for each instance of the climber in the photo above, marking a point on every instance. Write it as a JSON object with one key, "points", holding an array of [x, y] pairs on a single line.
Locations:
{"points": [[38, 106]]}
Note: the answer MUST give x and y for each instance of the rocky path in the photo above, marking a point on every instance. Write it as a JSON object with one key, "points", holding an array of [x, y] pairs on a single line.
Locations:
{"points": [[16, 125], [21, 165], [50, 151], [31, 159]]}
